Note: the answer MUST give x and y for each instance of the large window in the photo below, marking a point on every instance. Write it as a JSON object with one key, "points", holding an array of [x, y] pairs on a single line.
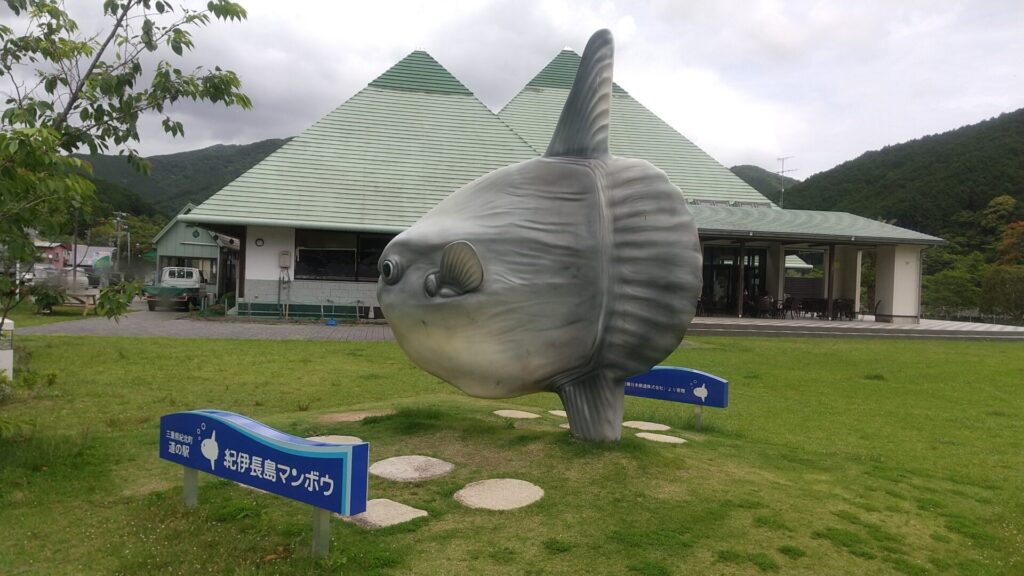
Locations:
{"points": [[323, 255]]}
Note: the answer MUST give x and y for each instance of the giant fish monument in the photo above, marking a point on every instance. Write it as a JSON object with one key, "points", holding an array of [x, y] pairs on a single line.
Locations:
{"points": [[567, 273]]}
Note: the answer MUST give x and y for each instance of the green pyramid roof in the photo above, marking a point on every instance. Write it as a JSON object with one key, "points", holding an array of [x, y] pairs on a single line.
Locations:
{"points": [[419, 72], [377, 162], [635, 132]]}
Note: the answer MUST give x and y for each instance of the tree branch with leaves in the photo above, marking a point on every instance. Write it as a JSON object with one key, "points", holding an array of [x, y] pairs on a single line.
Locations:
{"points": [[66, 91]]}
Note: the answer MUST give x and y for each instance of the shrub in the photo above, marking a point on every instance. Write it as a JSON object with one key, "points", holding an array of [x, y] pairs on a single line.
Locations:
{"points": [[46, 295], [1004, 291]]}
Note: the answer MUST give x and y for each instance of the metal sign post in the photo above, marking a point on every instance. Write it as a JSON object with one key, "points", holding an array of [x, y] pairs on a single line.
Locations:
{"points": [[329, 477], [191, 482]]}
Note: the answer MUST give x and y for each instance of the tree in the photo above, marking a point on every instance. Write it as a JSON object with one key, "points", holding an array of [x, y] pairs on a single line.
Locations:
{"points": [[68, 91], [1004, 291], [957, 287], [1011, 249], [998, 213]]}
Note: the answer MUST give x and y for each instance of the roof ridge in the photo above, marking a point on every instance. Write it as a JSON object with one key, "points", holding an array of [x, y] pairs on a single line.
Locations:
{"points": [[420, 72]]}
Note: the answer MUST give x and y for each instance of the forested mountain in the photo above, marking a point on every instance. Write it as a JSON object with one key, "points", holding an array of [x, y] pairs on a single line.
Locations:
{"points": [[191, 176], [765, 182], [939, 184], [112, 198], [965, 186]]}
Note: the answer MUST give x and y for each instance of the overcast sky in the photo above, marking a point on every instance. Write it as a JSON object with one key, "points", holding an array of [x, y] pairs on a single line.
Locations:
{"points": [[747, 81]]}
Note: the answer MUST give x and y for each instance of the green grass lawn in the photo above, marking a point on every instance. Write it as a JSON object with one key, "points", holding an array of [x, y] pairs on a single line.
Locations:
{"points": [[834, 457], [24, 315]]}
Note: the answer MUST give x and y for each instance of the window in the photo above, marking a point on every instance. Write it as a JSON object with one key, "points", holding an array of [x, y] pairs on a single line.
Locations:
{"points": [[370, 248], [340, 256]]}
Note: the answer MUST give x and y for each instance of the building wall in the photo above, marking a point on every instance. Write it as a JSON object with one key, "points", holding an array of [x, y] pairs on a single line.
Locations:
{"points": [[181, 241], [898, 283], [263, 275], [261, 262]]}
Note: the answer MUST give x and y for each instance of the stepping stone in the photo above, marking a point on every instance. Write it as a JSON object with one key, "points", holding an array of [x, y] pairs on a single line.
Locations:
{"points": [[516, 414], [411, 468], [566, 425], [557, 413], [381, 513], [660, 438], [645, 425], [352, 416], [499, 494], [336, 439]]}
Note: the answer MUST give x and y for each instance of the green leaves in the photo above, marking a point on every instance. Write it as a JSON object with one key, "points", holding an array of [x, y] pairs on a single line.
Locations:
{"points": [[115, 299], [226, 10], [1004, 290], [89, 94]]}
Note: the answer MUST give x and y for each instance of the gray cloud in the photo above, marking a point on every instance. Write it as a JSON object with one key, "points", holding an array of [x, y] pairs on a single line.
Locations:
{"points": [[747, 81]]}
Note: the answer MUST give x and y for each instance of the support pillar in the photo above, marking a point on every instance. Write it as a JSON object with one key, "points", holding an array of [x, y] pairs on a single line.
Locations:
{"points": [[898, 284], [830, 285], [847, 274], [775, 279], [741, 263]]}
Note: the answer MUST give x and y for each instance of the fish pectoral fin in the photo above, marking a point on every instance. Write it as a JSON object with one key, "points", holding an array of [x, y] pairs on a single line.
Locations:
{"points": [[582, 130], [461, 270]]}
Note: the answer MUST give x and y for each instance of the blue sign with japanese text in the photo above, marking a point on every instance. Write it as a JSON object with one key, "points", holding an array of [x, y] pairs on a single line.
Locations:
{"points": [[680, 385], [233, 447]]}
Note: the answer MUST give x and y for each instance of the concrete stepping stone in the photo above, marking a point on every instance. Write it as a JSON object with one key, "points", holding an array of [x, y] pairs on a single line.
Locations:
{"points": [[499, 494], [381, 513], [660, 438], [566, 425], [411, 468], [519, 414], [336, 439], [640, 425], [557, 413], [352, 416]]}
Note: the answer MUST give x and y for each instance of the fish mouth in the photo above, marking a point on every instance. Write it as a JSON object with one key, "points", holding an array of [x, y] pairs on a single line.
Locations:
{"points": [[461, 272]]}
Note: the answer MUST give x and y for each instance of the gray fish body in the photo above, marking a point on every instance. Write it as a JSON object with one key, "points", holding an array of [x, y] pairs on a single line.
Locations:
{"points": [[565, 273]]}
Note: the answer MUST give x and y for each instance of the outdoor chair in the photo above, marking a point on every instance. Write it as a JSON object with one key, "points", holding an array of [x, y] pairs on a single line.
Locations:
{"points": [[786, 308]]}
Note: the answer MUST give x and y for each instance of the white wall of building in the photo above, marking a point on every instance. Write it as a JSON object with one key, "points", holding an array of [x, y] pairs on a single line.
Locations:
{"points": [[263, 275], [261, 262], [898, 284]]}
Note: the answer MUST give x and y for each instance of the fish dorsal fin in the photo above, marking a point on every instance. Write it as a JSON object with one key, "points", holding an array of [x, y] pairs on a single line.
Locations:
{"points": [[582, 130], [461, 271]]}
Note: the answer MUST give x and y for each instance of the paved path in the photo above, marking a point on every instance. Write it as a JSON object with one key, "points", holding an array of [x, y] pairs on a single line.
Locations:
{"points": [[177, 325], [866, 327]]}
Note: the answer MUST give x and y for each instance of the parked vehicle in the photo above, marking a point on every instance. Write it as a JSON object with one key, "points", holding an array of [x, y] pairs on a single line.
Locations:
{"points": [[178, 287]]}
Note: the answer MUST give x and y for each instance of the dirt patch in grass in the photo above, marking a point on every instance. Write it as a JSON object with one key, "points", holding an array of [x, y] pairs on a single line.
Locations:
{"points": [[356, 416]]}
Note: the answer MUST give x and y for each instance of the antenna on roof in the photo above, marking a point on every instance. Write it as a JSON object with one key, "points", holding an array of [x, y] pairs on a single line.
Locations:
{"points": [[782, 177]]}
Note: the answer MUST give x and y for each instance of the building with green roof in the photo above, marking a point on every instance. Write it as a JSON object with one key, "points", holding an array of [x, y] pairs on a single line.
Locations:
{"points": [[182, 243], [314, 216]]}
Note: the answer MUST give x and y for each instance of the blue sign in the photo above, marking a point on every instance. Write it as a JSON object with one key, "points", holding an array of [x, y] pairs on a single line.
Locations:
{"points": [[231, 446], [680, 385]]}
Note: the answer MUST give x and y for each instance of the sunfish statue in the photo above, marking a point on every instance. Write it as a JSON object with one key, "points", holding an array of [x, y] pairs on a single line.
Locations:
{"points": [[566, 273]]}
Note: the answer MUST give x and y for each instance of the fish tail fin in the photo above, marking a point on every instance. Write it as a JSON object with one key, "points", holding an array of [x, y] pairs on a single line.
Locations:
{"points": [[594, 405]]}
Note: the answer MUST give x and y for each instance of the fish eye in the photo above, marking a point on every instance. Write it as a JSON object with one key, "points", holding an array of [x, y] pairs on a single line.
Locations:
{"points": [[390, 271], [430, 285]]}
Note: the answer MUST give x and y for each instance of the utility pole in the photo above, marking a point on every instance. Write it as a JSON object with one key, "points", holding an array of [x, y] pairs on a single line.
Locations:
{"points": [[782, 178]]}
